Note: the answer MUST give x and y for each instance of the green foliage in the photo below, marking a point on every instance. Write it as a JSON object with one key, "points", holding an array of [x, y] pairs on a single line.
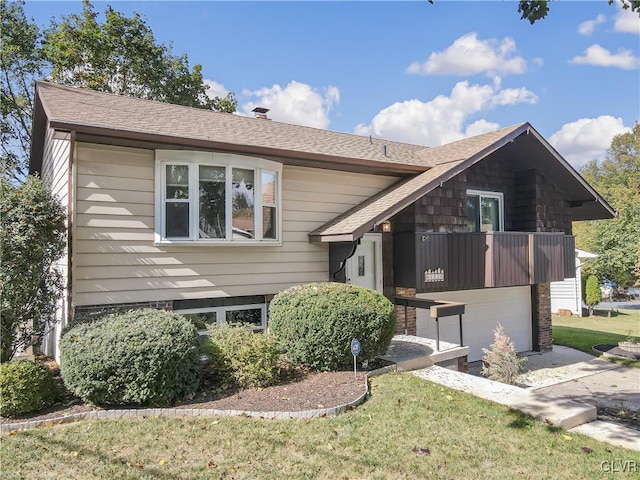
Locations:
{"points": [[501, 362], [592, 293], [616, 241], [119, 56], [239, 356], [25, 387], [32, 240], [143, 356], [22, 63], [315, 324], [533, 10]]}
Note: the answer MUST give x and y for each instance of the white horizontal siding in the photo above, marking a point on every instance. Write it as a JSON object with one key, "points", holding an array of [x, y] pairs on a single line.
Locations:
{"points": [[117, 261], [55, 171], [567, 295]]}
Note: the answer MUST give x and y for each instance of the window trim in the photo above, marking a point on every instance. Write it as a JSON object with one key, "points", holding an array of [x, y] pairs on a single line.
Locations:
{"points": [[193, 159], [221, 313], [489, 194]]}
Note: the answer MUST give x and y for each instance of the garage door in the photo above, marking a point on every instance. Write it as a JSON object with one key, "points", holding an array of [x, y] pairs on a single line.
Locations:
{"points": [[484, 310]]}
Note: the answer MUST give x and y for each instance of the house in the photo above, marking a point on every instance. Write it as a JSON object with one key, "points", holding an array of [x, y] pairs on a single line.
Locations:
{"points": [[566, 295], [211, 214]]}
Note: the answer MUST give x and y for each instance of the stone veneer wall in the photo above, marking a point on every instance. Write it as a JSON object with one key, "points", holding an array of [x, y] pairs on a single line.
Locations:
{"points": [[541, 302], [411, 313]]}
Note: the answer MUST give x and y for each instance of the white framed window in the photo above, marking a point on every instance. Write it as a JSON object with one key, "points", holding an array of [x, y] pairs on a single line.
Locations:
{"points": [[485, 211], [209, 198], [254, 315]]}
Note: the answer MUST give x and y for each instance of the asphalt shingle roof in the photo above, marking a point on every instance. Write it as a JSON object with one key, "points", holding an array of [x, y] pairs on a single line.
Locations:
{"points": [[108, 115], [74, 107]]}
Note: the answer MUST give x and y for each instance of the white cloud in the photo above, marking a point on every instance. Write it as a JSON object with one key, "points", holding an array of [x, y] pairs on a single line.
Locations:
{"points": [[443, 119], [469, 56], [588, 27], [296, 103], [587, 139], [215, 89], [601, 57], [626, 21]]}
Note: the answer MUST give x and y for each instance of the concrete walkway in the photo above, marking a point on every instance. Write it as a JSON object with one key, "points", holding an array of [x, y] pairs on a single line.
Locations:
{"points": [[563, 387]]}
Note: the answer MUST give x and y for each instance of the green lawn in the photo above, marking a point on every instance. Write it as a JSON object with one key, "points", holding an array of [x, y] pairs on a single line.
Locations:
{"points": [[582, 333], [465, 437]]}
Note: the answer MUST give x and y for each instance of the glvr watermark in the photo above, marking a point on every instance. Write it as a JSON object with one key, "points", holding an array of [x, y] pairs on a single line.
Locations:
{"points": [[620, 466]]}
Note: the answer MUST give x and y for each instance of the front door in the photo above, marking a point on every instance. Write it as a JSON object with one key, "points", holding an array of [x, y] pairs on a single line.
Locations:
{"points": [[364, 268]]}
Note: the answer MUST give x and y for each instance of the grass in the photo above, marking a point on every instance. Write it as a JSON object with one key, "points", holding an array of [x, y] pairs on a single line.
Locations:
{"points": [[466, 438], [582, 333]]}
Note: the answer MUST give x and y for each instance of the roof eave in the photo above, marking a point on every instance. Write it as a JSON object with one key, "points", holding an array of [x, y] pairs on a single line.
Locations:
{"points": [[409, 199], [391, 168]]}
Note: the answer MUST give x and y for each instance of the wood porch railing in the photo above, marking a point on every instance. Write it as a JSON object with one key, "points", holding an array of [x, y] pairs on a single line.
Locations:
{"points": [[431, 262]]}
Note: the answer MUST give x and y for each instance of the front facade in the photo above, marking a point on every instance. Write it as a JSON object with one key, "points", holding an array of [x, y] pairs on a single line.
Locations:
{"points": [[212, 214]]}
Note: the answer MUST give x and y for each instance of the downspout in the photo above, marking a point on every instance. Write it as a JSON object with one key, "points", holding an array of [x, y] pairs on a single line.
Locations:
{"points": [[70, 224]]}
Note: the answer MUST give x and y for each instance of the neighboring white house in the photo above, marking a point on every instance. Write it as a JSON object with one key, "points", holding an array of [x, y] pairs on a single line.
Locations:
{"points": [[567, 295]]}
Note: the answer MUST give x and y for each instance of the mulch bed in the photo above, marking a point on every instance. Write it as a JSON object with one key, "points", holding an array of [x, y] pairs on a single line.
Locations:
{"points": [[305, 392]]}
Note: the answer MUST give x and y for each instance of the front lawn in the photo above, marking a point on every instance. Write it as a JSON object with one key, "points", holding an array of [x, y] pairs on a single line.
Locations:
{"points": [[582, 333], [409, 428]]}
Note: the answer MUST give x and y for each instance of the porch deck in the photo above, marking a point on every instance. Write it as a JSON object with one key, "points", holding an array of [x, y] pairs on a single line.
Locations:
{"points": [[408, 352]]}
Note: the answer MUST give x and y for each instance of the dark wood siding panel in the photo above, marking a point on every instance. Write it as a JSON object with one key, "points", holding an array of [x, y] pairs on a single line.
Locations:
{"points": [[548, 262], [510, 258], [432, 254], [569, 256], [479, 260], [404, 259]]}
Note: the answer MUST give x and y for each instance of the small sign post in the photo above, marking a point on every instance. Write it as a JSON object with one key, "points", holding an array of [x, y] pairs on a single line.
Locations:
{"points": [[355, 350]]}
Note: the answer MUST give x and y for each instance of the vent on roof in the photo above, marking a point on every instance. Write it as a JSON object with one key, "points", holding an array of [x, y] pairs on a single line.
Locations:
{"points": [[261, 112]]}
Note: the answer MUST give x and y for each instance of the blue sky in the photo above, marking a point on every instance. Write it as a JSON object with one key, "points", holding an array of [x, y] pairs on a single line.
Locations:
{"points": [[412, 71]]}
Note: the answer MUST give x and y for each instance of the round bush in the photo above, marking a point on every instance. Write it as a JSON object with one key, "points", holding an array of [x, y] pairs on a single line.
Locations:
{"points": [[315, 324], [138, 357], [239, 356], [25, 387]]}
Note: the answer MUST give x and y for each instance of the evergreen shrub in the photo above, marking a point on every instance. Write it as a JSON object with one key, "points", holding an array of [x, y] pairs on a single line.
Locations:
{"points": [[239, 356], [25, 387], [142, 356], [315, 324]]}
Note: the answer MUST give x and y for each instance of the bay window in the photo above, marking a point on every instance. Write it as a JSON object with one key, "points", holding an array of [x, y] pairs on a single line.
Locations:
{"points": [[216, 198]]}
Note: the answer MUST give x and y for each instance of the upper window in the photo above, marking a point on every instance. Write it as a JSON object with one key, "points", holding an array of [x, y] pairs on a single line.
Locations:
{"points": [[215, 198], [484, 211]]}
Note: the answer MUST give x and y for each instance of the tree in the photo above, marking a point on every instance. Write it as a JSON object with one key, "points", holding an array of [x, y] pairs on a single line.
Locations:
{"points": [[22, 62], [616, 241], [534, 10], [32, 240], [592, 293], [118, 56]]}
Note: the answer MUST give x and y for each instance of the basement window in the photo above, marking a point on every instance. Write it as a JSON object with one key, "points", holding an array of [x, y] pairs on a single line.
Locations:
{"points": [[210, 198], [254, 316]]}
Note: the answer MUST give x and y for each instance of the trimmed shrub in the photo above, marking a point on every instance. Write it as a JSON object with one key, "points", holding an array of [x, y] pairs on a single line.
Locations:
{"points": [[315, 324], [592, 293], [239, 356], [25, 387], [501, 362], [143, 356]]}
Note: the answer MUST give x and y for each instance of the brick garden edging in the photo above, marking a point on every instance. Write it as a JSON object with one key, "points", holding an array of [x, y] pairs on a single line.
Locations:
{"points": [[184, 412]]}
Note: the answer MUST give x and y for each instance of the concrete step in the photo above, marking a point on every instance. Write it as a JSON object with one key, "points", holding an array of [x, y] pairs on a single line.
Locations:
{"points": [[554, 410], [611, 433]]}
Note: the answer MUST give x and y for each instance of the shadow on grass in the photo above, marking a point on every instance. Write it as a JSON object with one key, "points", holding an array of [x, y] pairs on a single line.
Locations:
{"points": [[522, 420]]}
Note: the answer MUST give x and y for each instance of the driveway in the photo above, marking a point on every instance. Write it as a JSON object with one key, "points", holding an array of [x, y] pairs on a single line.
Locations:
{"points": [[569, 373]]}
